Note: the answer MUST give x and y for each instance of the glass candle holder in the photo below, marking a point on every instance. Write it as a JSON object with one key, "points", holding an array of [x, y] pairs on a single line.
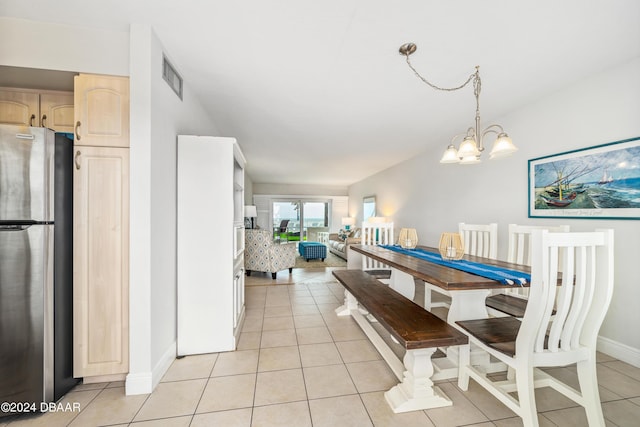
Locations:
{"points": [[451, 247]]}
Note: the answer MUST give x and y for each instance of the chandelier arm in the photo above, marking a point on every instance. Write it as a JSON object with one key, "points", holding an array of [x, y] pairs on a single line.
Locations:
{"points": [[492, 129], [446, 89]]}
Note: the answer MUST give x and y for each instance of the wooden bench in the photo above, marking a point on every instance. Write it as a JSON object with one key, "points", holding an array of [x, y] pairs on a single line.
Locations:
{"points": [[507, 304], [418, 331]]}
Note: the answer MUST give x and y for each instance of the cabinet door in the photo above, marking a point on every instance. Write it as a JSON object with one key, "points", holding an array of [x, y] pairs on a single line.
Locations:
{"points": [[19, 108], [56, 111], [101, 261], [101, 110]]}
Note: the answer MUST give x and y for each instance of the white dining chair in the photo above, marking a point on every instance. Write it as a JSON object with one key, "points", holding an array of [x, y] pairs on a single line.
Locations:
{"points": [[585, 262], [510, 301], [377, 233], [478, 240]]}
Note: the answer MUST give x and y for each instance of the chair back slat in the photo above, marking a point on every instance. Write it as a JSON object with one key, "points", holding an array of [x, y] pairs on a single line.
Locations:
{"points": [[376, 233], [519, 247], [585, 262], [480, 239]]}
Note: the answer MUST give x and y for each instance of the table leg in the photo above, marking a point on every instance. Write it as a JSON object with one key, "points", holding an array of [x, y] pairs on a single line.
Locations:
{"points": [[354, 260], [468, 305], [416, 391], [402, 283]]}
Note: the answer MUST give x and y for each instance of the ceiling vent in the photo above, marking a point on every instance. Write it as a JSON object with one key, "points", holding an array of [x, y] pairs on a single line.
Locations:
{"points": [[171, 76]]}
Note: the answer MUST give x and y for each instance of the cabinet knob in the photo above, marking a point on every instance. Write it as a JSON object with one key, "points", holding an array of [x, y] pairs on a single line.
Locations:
{"points": [[76, 131], [43, 122], [33, 117], [77, 159]]}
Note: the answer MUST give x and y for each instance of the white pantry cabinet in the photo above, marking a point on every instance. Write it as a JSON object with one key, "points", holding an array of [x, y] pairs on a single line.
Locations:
{"points": [[210, 244]]}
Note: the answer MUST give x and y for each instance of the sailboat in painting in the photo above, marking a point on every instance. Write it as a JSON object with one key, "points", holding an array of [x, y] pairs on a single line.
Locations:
{"points": [[606, 178], [560, 201]]}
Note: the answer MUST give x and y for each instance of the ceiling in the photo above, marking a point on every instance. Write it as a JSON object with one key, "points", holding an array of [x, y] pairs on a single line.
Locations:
{"points": [[316, 92]]}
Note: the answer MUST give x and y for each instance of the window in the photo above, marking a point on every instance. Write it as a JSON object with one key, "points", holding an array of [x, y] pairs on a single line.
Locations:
{"points": [[299, 216]]}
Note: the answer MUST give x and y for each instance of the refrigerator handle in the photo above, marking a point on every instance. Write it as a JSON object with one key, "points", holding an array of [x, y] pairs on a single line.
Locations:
{"points": [[15, 227], [77, 159]]}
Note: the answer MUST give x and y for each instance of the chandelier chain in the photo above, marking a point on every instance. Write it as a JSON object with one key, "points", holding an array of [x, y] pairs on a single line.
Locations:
{"points": [[473, 76]]}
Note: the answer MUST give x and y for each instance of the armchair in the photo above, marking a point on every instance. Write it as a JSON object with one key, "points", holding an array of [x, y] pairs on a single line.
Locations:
{"points": [[262, 254]]}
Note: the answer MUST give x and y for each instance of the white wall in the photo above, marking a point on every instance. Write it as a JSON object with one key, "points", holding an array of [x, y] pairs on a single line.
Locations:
{"points": [[433, 198], [157, 117], [299, 189], [48, 46]]}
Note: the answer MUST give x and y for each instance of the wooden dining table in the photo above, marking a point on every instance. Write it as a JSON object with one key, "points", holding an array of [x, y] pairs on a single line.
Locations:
{"points": [[467, 291]]}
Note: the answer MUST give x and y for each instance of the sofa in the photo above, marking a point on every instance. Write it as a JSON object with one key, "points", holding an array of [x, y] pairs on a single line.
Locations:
{"points": [[339, 242], [262, 254]]}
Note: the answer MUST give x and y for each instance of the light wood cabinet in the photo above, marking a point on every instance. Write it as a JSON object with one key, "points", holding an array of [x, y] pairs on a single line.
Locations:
{"points": [[19, 107], [101, 261], [28, 107], [210, 244], [101, 226], [101, 110], [56, 111]]}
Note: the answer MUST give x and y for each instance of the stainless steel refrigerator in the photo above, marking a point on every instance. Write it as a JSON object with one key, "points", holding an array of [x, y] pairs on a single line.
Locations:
{"points": [[36, 265]]}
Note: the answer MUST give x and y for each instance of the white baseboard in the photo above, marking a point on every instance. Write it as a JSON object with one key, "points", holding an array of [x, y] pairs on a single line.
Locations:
{"points": [[164, 363], [620, 351], [146, 382]]}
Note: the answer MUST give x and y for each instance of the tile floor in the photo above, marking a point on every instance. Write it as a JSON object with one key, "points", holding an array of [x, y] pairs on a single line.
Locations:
{"points": [[299, 365]]}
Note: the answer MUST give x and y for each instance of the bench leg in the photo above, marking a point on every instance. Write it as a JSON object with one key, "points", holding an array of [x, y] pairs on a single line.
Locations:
{"points": [[416, 391], [350, 303]]}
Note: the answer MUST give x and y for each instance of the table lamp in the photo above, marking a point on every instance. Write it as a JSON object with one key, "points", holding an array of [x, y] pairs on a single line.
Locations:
{"points": [[250, 211], [348, 222]]}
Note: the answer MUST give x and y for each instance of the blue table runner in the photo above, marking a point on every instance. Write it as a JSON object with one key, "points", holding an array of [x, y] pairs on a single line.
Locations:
{"points": [[502, 275]]}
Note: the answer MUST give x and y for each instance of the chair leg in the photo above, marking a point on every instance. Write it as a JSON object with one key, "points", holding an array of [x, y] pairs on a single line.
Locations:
{"points": [[526, 396], [273, 275], [290, 270], [464, 354], [588, 380]]}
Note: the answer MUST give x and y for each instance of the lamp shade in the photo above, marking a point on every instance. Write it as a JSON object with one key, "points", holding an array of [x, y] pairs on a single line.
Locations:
{"points": [[502, 147], [468, 148], [470, 160], [250, 211], [450, 155], [348, 220]]}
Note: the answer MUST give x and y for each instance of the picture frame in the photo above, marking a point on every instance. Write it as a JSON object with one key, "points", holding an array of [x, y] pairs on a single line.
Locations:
{"points": [[599, 182]]}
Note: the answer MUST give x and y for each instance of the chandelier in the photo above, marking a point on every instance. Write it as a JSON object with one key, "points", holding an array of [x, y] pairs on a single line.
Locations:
{"points": [[472, 144]]}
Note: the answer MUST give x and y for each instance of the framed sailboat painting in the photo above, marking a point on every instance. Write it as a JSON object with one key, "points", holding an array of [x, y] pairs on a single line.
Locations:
{"points": [[601, 182]]}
